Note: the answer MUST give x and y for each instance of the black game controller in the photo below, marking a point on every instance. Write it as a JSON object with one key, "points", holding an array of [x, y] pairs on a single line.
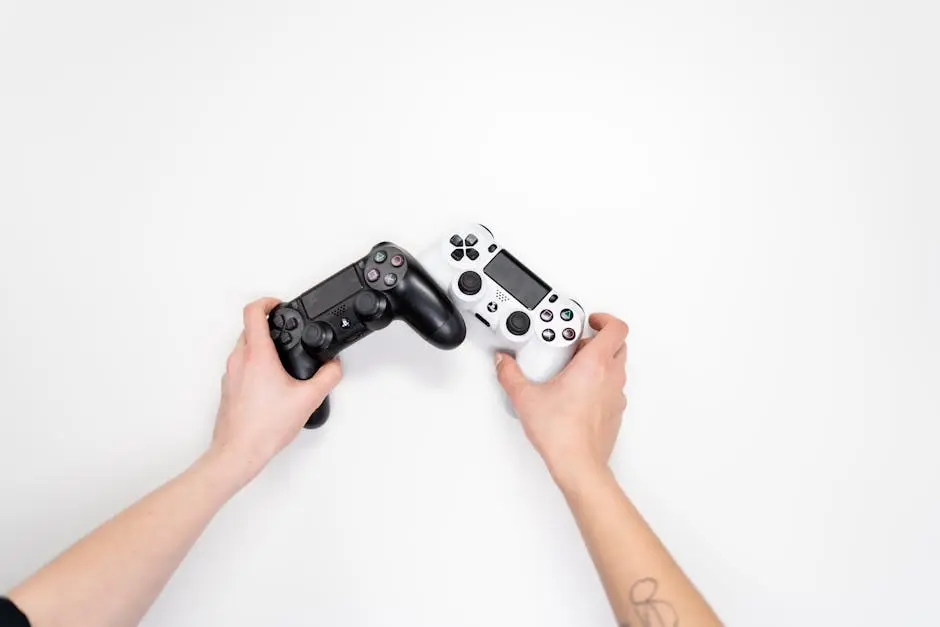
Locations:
{"points": [[366, 296]]}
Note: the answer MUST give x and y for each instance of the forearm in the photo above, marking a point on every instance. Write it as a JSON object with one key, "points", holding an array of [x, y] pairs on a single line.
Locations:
{"points": [[112, 576], [645, 586]]}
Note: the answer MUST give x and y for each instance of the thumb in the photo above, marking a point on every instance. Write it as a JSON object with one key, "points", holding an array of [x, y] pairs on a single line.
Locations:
{"points": [[509, 375], [322, 383]]}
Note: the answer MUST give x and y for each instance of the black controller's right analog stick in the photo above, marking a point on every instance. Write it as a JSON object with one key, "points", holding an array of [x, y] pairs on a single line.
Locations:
{"points": [[470, 283], [317, 336], [518, 323], [368, 305]]}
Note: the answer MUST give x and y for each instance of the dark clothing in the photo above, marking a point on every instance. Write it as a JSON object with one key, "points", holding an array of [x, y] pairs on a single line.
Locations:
{"points": [[10, 615]]}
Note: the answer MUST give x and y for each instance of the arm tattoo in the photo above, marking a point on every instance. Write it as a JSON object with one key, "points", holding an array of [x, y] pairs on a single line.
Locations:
{"points": [[651, 611]]}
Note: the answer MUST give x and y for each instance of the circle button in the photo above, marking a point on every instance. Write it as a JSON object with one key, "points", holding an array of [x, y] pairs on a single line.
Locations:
{"points": [[568, 333], [397, 261]]}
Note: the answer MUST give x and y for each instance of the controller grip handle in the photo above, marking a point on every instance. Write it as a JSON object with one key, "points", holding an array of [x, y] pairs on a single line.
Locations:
{"points": [[424, 306], [301, 366]]}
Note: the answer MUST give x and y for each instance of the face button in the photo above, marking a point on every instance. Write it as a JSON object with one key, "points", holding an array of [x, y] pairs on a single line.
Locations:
{"points": [[470, 283], [518, 323], [553, 298], [548, 335], [372, 275], [472, 254], [492, 307], [471, 240], [397, 260], [455, 240], [568, 333], [492, 247], [457, 254], [546, 315], [567, 315], [380, 256], [390, 279], [291, 324]]}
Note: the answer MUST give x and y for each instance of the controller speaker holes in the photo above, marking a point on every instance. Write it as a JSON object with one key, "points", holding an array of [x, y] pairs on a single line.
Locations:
{"points": [[501, 296], [339, 311]]}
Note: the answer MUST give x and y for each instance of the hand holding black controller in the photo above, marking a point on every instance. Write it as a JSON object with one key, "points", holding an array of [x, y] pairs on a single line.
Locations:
{"points": [[366, 296]]}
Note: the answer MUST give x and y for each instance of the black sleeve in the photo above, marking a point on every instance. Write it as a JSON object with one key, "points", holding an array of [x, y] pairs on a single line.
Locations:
{"points": [[10, 615]]}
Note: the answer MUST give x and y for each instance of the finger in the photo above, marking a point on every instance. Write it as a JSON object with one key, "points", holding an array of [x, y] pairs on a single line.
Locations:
{"points": [[620, 364], [322, 383], [240, 342], [582, 343], [611, 334], [621, 354], [510, 375], [256, 321]]}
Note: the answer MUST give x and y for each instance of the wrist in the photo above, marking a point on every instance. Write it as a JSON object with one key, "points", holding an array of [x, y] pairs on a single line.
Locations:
{"points": [[573, 476], [231, 466]]}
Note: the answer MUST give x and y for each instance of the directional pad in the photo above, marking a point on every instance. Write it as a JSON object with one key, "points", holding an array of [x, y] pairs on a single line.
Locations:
{"points": [[284, 325], [463, 247]]}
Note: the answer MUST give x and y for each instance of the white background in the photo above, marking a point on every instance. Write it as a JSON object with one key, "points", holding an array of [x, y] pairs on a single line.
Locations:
{"points": [[754, 188]]}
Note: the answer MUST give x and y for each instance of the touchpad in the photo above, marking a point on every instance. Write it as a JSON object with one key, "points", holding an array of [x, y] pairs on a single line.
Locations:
{"points": [[331, 292]]}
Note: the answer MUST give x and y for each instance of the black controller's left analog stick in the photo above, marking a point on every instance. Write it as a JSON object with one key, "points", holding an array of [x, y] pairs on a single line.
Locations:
{"points": [[317, 336], [470, 283], [369, 305]]}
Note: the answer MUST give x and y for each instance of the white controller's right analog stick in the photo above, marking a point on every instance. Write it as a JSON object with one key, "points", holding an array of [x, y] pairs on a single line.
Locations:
{"points": [[518, 323]]}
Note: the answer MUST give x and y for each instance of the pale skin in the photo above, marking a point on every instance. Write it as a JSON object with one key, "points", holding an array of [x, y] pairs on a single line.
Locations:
{"points": [[573, 421], [112, 576]]}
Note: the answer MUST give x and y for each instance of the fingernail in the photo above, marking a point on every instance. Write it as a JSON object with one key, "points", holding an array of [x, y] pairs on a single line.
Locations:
{"points": [[499, 358]]}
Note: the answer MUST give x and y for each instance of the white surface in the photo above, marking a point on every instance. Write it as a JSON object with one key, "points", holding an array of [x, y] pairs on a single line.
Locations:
{"points": [[753, 189]]}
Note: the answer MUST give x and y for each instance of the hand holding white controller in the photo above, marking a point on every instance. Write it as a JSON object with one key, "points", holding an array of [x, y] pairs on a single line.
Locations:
{"points": [[517, 312]]}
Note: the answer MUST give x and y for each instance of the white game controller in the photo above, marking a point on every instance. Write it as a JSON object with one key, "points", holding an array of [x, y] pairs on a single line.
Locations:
{"points": [[506, 306]]}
